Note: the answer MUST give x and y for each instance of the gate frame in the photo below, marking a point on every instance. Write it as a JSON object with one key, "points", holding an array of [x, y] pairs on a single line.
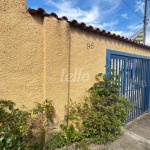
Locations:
{"points": [[110, 52]]}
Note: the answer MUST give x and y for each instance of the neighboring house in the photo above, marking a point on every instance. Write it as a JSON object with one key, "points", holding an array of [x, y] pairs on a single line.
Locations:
{"points": [[39, 51]]}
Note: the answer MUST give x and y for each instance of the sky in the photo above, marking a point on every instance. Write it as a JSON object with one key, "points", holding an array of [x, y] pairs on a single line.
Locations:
{"points": [[122, 17]]}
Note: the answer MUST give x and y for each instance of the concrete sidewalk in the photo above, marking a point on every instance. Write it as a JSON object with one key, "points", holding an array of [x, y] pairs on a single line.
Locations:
{"points": [[136, 136]]}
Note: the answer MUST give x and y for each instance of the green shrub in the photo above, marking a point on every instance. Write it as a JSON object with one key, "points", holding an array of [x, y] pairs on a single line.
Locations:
{"points": [[98, 118], [14, 130], [71, 135], [101, 114], [23, 130], [56, 140]]}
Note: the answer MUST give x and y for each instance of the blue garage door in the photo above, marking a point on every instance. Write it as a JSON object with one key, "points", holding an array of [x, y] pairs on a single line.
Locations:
{"points": [[135, 81]]}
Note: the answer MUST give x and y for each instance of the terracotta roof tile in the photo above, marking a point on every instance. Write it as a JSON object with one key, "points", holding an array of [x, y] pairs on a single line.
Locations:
{"points": [[82, 25]]}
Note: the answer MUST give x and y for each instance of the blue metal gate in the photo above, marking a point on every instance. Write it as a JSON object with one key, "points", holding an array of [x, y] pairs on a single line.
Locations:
{"points": [[135, 81]]}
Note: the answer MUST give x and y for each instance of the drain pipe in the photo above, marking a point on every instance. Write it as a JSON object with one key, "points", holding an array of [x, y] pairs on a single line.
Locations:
{"points": [[69, 65]]}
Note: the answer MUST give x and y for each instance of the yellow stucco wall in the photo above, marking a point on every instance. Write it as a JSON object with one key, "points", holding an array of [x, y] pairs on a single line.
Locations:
{"points": [[89, 62], [37, 55], [56, 50], [21, 55]]}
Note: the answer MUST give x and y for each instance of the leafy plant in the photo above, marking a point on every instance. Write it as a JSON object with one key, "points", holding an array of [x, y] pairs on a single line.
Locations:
{"points": [[42, 116], [17, 127], [14, 129], [101, 114], [46, 108], [56, 140], [70, 134], [65, 138], [98, 118]]}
